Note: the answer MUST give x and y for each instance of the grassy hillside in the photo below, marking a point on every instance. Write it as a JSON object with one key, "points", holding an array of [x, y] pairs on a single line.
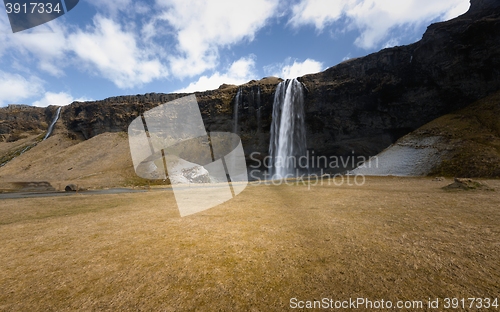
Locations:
{"points": [[102, 161], [470, 140]]}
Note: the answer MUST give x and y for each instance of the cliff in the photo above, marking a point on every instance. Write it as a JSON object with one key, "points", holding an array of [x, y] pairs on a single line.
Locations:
{"points": [[367, 103], [361, 105]]}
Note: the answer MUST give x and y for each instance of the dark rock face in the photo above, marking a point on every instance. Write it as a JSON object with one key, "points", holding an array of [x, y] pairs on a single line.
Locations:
{"points": [[477, 6], [367, 103], [26, 118], [88, 119], [361, 105]]}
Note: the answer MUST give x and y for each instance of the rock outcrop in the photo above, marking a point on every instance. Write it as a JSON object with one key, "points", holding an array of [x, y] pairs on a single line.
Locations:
{"points": [[16, 119], [467, 185], [465, 143]]}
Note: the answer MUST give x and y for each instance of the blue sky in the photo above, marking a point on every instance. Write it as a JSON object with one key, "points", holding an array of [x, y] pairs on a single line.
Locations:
{"points": [[108, 48]]}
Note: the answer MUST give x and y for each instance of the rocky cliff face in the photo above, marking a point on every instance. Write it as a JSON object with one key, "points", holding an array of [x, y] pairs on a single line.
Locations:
{"points": [[361, 105], [88, 119], [367, 103], [15, 120]]}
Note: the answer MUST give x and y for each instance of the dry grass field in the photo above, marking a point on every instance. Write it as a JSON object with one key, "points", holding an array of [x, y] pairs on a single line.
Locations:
{"points": [[392, 239]]}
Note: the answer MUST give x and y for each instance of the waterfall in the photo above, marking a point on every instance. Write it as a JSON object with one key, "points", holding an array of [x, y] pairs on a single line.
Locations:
{"points": [[257, 101], [288, 134], [238, 99], [51, 127]]}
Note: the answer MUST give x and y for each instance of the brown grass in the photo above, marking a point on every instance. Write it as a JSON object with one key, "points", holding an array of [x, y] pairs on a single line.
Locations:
{"points": [[103, 161], [391, 239], [13, 148]]}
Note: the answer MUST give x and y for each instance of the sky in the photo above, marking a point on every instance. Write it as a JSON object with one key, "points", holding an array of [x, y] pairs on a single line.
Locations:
{"points": [[123, 47]]}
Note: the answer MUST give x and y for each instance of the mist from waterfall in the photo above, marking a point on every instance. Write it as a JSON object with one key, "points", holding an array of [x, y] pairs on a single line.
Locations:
{"points": [[51, 127], [288, 133]]}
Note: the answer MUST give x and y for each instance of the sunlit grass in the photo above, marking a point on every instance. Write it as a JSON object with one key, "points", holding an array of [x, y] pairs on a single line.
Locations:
{"points": [[392, 238]]}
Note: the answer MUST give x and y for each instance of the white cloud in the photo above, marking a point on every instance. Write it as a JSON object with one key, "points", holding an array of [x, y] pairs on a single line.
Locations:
{"points": [[391, 43], [298, 69], [238, 73], [346, 58], [15, 88], [460, 8], [5, 30], [288, 70], [202, 27], [105, 49], [116, 54], [120, 6], [375, 18], [45, 45], [317, 12], [60, 99]]}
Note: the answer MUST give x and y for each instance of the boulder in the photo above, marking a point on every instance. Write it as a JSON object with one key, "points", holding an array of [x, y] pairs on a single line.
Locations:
{"points": [[71, 188], [467, 184]]}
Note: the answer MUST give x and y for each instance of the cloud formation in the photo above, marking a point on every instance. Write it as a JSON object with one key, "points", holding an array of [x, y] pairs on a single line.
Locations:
{"points": [[204, 27], [134, 43], [374, 19], [44, 46], [116, 54], [293, 68], [241, 71], [14, 88], [59, 99]]}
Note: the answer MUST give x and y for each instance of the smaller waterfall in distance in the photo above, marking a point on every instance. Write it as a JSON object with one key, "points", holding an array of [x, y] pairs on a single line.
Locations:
{"points": [[237, 101], [51, 127], [288, 133], [257, 101]]}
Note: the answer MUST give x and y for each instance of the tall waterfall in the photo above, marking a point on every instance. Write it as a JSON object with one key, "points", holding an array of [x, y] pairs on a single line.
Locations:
{"points": [[288, 133], [51, 127], [238, 99]]}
